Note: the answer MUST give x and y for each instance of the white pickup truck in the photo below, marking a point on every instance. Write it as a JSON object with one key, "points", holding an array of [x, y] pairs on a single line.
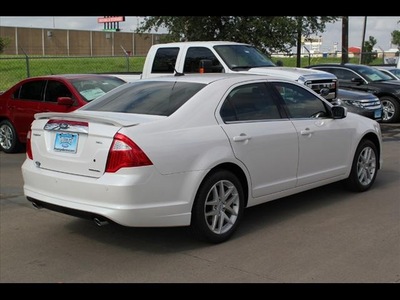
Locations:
{"points": [[226, 57]]}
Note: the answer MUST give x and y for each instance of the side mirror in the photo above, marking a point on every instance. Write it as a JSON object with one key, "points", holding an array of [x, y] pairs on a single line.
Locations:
{"points": [[339, 112], [357, 80], [67, 101]]}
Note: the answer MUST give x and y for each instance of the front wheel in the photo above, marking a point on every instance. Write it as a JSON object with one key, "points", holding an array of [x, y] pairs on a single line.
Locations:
{"points": [[391, 109], [364, 167], [218, 207]]}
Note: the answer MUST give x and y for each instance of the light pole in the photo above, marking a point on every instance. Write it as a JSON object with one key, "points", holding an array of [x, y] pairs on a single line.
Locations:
{"points": [[363, 40]]}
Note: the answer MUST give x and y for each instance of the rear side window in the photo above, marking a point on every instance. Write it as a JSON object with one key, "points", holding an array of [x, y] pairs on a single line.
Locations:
{"points": [[30, 90], [150, 98], [164, 60], [249, 102]]}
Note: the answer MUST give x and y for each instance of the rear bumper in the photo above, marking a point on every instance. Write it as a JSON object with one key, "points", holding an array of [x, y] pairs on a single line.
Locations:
{"points": [[138, 197]]}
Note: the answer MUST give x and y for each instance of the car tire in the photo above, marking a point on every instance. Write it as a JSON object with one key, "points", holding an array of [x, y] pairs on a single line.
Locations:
{"points": [[218, 207], [9, 142], [364, 168], [391, 109]]}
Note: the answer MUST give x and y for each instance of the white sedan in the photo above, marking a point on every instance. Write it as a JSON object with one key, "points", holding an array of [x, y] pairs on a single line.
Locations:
{"points": [[195, 150]]}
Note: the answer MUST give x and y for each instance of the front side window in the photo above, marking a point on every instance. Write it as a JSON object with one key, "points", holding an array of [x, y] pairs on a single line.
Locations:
{"points": [[249, 102], [55, 89], [299, 102]]}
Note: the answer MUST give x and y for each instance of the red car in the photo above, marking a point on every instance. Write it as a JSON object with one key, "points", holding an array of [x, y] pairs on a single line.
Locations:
{"points": [[58, 93]]}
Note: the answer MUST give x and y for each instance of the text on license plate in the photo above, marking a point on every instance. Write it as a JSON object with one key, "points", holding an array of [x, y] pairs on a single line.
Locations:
{"points": [[66, 142]]}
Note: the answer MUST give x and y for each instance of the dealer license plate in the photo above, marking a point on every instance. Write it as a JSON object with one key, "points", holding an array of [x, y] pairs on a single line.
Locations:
{"points": [[66, 142]]}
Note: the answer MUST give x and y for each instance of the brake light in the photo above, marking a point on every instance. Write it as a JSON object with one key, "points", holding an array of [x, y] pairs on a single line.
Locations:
{"points": [[28, 145], [124, 153]]}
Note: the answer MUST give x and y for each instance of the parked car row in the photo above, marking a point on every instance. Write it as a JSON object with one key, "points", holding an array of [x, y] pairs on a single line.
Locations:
{"points": [[364, 90], [62, 93], [371, 80]]}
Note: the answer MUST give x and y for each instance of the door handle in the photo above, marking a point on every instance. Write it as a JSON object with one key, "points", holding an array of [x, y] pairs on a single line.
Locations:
{"points": [[242, 137], [306, 132]]}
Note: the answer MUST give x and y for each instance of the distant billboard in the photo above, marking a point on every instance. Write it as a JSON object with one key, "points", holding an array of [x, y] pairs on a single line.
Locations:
{"points": [[110, 19], [111, 23]]}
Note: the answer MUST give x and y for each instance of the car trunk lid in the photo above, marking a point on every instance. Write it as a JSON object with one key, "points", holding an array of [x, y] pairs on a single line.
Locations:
{"points": [[78, 142]]}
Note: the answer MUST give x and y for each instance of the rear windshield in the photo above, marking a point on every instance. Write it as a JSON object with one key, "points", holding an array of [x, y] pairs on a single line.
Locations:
{"points": [[150, 98]]}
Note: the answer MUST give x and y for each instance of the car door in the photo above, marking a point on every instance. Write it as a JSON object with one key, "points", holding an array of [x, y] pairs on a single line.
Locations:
{"points": [[25, 103], [324, 142], [261, 139], [53, 90]]}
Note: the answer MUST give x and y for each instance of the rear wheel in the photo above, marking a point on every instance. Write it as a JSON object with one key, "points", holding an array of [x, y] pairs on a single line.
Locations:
{"points": [[218, 207], [9, 142], [391, 109], [364, 167]]}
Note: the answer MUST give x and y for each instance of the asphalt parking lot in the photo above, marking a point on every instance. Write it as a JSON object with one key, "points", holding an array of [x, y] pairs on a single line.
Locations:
{"points": [[326, 235], [391, 131]]}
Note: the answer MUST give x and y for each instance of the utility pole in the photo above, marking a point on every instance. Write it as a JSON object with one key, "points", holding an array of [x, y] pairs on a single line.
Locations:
{"points": [[299, 34], [363, 41], [345, 39]]}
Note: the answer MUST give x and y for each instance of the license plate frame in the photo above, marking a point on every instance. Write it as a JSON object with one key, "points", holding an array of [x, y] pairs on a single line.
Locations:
{"points": [[66, 142]]}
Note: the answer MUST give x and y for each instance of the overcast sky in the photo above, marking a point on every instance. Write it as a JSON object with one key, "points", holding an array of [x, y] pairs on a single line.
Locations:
{"points": [[378, 27]]}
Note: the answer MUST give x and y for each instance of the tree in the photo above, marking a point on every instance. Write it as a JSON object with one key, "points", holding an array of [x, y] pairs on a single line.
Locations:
{"points": [[269, 33], [3, 43], [307, 26], [368, 56], [396, 38]]}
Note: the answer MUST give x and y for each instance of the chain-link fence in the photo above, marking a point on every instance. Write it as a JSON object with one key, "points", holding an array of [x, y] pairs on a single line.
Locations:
{"points": [[15, 68]]}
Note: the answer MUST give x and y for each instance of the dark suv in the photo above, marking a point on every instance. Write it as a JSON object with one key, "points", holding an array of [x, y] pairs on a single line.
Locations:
{"points": [[368, 79]]}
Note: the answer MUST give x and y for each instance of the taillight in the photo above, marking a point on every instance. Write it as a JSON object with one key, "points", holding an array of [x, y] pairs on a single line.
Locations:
{"points": [[124, 153], [28, 145]]}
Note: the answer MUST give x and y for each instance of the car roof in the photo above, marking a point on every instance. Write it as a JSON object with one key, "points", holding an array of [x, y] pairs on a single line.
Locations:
{"points": [[348, 65], [385, 67], [197, 43], [351, 66], [63, 77], [72, 76], [207, 78]]}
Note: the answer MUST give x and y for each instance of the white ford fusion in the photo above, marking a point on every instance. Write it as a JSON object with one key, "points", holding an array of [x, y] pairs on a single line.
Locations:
{"points": [[195, 150]]}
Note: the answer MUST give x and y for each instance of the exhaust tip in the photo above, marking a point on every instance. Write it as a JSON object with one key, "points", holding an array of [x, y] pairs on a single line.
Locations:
{"points": [[100, 222], [36, 205]]}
